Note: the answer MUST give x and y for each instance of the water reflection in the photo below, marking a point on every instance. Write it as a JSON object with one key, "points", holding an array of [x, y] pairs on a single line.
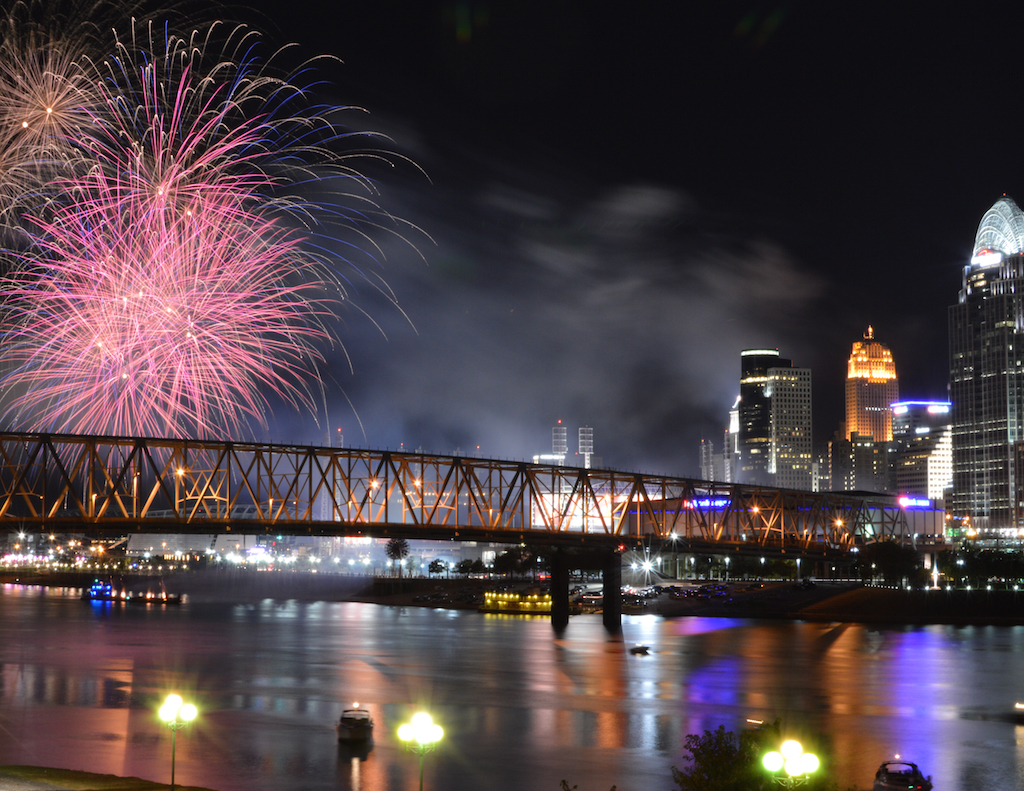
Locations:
{"points": [[78, 685]]}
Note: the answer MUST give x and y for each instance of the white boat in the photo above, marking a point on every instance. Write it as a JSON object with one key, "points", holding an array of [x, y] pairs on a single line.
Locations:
{"points": [[901, 775], [355, 725]]}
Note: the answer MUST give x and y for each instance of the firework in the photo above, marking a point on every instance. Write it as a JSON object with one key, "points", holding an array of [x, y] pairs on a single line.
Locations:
{"points": [[45, 97], [139, 317], [167, 288]]}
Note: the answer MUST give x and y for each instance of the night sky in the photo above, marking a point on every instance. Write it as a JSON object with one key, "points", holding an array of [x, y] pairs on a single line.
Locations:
{"points": [[616, 199]]}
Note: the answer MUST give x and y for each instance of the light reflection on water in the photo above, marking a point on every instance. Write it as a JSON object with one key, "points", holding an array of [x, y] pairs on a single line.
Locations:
{"points": [[521, 707]]}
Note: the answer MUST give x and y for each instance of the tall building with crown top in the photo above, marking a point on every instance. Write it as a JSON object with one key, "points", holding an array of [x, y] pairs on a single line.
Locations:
{"points": [[986, 375], [871, 390]]}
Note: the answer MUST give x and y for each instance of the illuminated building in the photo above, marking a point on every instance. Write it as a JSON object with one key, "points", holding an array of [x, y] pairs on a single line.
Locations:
{"points": [[774, 421], [986, 372], [731, 449], [924, 448], [871, 387]]}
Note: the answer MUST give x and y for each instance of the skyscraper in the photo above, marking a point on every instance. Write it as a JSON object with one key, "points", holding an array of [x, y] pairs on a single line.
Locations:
{"points": [[924, 455], [871, 389], [774, 421], [986, 373]]}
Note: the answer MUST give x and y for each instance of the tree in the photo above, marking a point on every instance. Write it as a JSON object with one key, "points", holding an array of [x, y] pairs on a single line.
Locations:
{"points": [[722, 761], [463, 567], [506, 563], [895, 563], [437, 566], [397, 550]]}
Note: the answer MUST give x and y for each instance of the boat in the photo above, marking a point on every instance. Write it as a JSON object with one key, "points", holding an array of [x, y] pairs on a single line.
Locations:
{"points": [[355, 725], [114, 592], [901, 775], [532, 601], [103, 591]]}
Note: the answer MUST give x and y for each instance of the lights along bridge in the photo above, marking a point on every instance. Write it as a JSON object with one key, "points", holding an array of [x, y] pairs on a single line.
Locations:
{"points": [[122, 485]]}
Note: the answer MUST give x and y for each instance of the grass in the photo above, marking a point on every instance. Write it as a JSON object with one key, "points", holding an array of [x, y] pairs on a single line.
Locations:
{"points": [[70, 780]]}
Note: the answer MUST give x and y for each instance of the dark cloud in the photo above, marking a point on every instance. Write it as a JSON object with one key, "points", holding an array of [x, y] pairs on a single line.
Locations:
{"points": [[623, 307]]}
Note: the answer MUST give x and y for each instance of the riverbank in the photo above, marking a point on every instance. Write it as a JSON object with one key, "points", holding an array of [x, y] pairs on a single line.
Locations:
{"points": [[826, 601], [41, 778]]}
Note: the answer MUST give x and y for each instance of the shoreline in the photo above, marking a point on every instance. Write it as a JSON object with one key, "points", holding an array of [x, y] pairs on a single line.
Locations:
{"points": [[850, 602]]}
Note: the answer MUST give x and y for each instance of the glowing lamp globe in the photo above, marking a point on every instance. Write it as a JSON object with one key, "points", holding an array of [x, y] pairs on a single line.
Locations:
{"points": [[773, 761], [422, 730], [176, 710], [793, 759]]}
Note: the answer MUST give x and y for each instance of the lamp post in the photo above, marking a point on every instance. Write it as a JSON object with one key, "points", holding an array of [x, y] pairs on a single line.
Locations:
{"points": [[798, 765], [421, 735], [176, 714]]}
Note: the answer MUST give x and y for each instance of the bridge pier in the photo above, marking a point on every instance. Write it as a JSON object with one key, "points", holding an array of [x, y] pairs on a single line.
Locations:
{"points": [[609, 562], [559, 590], [611, 576]]}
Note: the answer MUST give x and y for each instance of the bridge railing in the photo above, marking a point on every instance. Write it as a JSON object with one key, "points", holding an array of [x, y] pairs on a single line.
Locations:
{"points": [[49, 480]]}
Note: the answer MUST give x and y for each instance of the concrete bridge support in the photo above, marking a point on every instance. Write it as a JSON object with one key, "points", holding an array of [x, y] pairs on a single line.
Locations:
{"points": [[609, 563], [611, 576], [559, 590]]}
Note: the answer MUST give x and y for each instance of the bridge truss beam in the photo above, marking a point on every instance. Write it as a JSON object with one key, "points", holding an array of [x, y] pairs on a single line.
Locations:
{"points": [[71, 483]]}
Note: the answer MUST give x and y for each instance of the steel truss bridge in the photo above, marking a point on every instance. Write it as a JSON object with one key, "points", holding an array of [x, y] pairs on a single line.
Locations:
{"points": [[121, 485]]}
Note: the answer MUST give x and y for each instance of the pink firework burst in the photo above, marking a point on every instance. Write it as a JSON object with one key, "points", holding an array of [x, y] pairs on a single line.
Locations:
{"points": [[168, 290], [140, 316]]}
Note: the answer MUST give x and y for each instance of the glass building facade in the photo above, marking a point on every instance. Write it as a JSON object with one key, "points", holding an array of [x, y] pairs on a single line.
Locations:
{"points": [[986, 371], [774, 440]]}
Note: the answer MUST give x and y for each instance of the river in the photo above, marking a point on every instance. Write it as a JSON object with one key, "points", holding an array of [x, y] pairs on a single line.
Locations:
{"points": [[522, 708]]}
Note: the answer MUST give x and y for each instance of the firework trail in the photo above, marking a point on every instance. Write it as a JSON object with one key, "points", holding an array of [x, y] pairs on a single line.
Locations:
{"points": [[167, 289]]}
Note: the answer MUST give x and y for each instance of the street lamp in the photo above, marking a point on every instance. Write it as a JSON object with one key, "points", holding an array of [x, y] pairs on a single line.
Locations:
{"points": [[176, 714], [421, 735], [791, 757]]}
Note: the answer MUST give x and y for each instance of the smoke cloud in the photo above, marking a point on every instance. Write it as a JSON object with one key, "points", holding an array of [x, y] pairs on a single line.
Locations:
{"points": [[622, 307]]}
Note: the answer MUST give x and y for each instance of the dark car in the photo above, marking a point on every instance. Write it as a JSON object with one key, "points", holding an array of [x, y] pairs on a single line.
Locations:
{"points": [[901, 775]]}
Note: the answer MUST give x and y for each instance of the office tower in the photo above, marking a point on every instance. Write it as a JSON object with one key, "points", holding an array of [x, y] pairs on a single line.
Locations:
{"points": [[859, 464], [774, 421], [924, 448], [871, 389], [986, 373], [789, 390]]}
